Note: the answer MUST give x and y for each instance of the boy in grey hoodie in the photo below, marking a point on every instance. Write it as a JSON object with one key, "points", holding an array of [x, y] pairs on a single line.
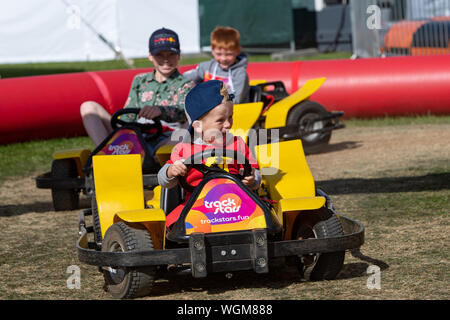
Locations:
{"points": [[229, 64]]}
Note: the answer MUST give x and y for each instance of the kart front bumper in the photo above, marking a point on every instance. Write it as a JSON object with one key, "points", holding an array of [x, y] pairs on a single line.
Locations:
{"points": [[219, 252], [46, 181]]}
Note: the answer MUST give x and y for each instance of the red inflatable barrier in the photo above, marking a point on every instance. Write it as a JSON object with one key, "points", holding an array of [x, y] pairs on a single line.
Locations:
{"points": [[42, 107], [370, 87]]}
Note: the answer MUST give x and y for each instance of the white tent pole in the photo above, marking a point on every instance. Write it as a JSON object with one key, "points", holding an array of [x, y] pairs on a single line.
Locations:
{"points": [[117, 50]]}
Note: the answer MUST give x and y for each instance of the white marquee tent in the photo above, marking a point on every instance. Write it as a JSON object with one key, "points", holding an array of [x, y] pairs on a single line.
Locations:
{"points": [[68, 30]]}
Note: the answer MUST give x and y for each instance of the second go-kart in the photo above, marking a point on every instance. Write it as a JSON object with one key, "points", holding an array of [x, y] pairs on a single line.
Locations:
{"points": [[71, 171], [295, 116], [223, 227]]}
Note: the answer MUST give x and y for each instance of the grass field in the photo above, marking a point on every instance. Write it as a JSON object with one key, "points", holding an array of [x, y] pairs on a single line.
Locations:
{"points": [[393, 175]]}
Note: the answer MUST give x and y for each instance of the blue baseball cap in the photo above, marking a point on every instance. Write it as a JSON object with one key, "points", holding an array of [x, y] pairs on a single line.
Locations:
{"points": [[164, 40], [203, 98]]}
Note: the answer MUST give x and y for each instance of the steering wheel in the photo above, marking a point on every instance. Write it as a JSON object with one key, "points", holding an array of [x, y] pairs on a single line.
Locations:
{"points": [[144, 127], [195, 161]]}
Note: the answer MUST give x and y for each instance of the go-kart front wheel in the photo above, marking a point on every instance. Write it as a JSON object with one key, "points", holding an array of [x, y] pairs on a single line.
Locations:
{"points": [[96, 219], [306, 115], [323, 224], [128, 282], [65, 199]]}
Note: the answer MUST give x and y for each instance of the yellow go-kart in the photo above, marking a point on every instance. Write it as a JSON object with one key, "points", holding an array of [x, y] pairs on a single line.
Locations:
{"points": [[293, 116], [223, 227], [71, 171]]}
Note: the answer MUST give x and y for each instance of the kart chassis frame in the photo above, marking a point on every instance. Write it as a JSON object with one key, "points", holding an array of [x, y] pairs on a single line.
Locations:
{"points": [[219, 252]]}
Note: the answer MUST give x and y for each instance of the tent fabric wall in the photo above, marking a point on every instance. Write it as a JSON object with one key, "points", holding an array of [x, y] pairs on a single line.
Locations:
{"points": [[51, 30]]}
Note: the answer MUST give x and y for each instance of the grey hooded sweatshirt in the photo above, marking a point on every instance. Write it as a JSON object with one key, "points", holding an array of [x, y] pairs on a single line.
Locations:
{"points": [[235, 77]]}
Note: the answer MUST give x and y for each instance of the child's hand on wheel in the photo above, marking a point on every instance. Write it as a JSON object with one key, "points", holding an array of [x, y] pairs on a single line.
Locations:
{"points": [[149, 112], [176, 169], [248, 180]]}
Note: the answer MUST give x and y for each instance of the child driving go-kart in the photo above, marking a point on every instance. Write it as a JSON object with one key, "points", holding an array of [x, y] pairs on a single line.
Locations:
{"points": [[209, 109], [206, 219], [217, 208]]}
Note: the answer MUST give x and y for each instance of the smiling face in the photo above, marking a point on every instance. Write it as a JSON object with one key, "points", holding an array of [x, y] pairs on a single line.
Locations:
{"points": [[165, 63], [225, 57], [214, 125]]}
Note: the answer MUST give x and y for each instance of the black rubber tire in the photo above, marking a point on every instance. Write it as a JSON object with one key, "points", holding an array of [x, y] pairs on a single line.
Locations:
{"points": [[302, 114], [322, 224], [128, 282], [96, 220], [65, 199]]}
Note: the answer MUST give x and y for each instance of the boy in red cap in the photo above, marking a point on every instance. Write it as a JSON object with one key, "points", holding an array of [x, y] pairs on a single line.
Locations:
{"points": [[209, 110]]}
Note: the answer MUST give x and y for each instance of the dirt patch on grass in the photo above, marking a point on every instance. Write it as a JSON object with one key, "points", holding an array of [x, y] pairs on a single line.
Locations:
{"points": [[395, 180], [382, 151]]}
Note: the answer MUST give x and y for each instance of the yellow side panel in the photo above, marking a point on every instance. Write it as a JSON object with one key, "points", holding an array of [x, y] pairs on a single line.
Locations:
{"points": [[277, 113], [245, 116], [155, 198], [163, 153], [142, 215], [79, 155], [118, 185], [296, 204], [259, 222], [72, 153], [153, 219], [256, 82], [285, 170]]}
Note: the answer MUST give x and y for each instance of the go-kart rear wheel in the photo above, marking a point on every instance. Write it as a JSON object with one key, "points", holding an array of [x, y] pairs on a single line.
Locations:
{"points": [[128, 282], [65, 199], [323, 224], [305, 115]]}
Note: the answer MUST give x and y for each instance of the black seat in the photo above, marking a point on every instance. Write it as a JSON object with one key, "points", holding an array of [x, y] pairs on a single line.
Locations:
{"points": [[171, 198], [255, 93]]}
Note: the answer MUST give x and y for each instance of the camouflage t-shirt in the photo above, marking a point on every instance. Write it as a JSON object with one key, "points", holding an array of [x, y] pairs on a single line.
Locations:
{"points": [[168, 95]]}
